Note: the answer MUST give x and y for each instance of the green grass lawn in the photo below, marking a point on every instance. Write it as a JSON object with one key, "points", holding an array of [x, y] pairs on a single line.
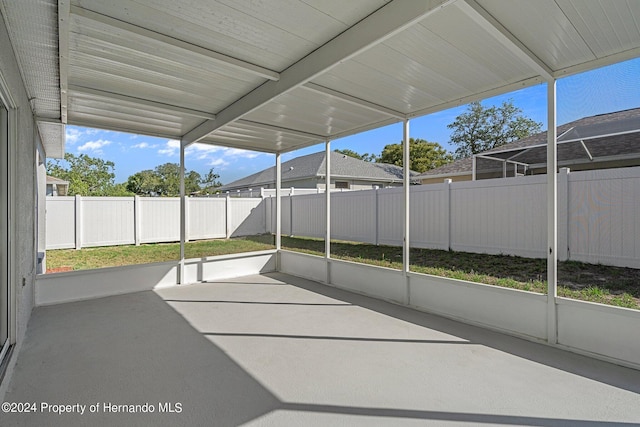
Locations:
{"points": [[587, 282], [113, 256]]}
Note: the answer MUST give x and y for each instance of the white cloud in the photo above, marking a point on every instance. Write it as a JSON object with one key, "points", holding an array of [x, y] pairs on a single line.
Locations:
{"points": [[76, 134], [216, 155], [218, 162], [171, 148], [94, 146], [144, 145], [72, 135]]}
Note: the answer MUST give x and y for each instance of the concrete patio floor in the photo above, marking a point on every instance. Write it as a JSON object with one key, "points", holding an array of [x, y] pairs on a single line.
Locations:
{"points": [[278, 350]]}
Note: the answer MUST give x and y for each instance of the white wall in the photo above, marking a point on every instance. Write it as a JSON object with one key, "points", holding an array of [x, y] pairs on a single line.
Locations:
{"points": [[41, 207], [87, 284], [23, 144]]}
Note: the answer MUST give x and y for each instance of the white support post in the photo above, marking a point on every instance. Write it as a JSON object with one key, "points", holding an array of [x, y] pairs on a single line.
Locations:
{"points": [[448, 182], [278, 206], [327, 200], [473, 168], [137, 222], [563, 214], [406, 185], [227, 216], [377, 211], [78, 221], [552, 216], [186, 219], [183, 222], [291, 212]]}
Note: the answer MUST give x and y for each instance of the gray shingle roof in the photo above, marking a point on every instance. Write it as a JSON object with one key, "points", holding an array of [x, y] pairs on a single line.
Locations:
{"points": [[621, 144], [313, 166], [54, 180]]}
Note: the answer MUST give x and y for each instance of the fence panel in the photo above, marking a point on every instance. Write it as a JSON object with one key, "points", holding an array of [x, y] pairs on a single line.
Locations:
{"points": [[353, 216], [390, 216], [160, 219], [60, 222], [604, 212], [107, 222], [429, 215], [309, 215], [206, 218], [500, 216], [247, 217]]}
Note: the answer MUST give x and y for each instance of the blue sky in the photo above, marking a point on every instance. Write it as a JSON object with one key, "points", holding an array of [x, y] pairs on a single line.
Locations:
{"points": [[600, 91]]}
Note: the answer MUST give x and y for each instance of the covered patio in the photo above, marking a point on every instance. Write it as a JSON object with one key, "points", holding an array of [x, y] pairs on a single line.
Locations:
{"points": [[274, 349], [269, 338]]}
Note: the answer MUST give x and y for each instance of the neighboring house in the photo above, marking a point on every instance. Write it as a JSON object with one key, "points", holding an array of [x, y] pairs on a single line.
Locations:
{"points": [[57, 186], [308, 171], [597, 142]]}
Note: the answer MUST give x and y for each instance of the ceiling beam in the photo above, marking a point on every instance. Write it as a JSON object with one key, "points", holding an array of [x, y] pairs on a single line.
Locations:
{"points": [[63, 55], [281, 129], [141, 101], [382, 24], [211, 54], [354, 101], [498, 31]]}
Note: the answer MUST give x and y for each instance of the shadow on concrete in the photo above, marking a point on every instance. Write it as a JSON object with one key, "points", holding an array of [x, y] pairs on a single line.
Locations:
{"points": [[127, 350], [135, 349], [614, 375]]}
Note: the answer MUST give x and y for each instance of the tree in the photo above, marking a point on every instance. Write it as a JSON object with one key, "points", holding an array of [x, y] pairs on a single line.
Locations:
{"points": [[120, 190], [164, 180], [87, 176], [366, 156], [424, 155], [483, 128], [144, 183], [210, 182]]}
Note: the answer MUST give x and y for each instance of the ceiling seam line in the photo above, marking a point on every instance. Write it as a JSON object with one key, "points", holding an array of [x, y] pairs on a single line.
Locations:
{"points": [[353, 100], [136, 100], [280, 129]]}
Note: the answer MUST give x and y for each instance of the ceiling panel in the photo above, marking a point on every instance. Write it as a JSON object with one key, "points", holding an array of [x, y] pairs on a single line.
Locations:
{"points": [[313, 112], [273, 34], [127, 115], [429, 64], [543, 27], [606, 27], [162, 51], [247, 136], [35, 21]]}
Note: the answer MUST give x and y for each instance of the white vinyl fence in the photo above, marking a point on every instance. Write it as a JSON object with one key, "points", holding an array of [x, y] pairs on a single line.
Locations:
{"points": [[598, 217], [76, 222]]}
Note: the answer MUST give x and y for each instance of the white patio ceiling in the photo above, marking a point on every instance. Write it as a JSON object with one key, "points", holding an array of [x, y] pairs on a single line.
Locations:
{"points": [[283, 74]]}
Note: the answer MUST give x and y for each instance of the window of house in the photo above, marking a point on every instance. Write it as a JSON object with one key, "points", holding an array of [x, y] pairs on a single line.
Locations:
{"points": [[342, 184]]}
